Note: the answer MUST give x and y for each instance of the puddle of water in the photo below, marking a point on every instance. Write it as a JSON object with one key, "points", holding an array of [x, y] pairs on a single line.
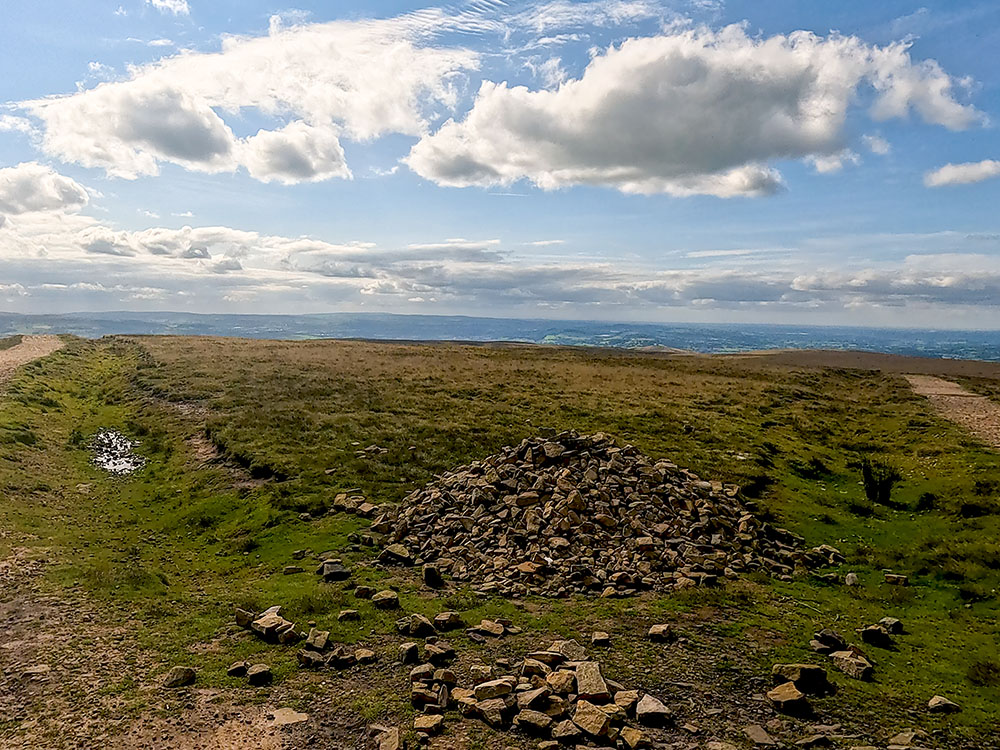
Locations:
{"points": [[115, 453]]}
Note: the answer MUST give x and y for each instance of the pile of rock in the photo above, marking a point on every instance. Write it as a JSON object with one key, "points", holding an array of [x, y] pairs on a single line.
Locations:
{"points": [[556, 694], [578, 514], [851, 659]]}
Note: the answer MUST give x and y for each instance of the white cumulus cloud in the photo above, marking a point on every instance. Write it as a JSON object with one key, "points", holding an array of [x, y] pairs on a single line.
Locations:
{"points": [[695, 111], [31, 186], [963, 174], [358, 80]]}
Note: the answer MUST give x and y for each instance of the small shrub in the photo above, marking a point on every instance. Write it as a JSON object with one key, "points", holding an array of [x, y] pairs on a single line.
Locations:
{"points": [[879, 477], [926, 501]]}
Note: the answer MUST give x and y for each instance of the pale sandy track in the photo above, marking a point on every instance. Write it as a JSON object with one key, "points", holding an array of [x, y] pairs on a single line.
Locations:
{"points": [[30, 348], [977, 414]]}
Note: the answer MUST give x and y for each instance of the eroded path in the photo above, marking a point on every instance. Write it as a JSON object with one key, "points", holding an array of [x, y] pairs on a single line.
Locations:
{"points": [[977, 414], [30, 348]]}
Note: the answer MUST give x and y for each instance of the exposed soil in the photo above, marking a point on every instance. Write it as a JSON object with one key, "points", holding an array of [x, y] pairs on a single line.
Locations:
{"points": [[30, 348], [977, 414]]}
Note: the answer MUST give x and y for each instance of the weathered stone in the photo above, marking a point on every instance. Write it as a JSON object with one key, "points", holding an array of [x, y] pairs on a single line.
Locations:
{"points": [[627, 699], [590, 685], [365, 656], [448, 621], [493, 689], [566, 731], [386, 600], [432, 576], [333, 570], [892, 625], [244, 618], [652, 712], [179, 677], [851, 579], [876, 635], [591, 719], [409, 652], [758, 735], [494, 711], [310, 659], [489, 627], [941, 705], [807, 677], [600, 639], [317, 640], [831, 639], [259, 675], [391, 739], [661, 633], [346, 615], [894, 579], [396, 554], [439, 652], [364, 592], [633, 738], [562, 681], [531, 667], [908, 737], [238, 669], [572, 650], [852, 665], [428, 723], [290, 570], [417, 625], [531, 721], [788, 699], [341, 657], [536, 698]]}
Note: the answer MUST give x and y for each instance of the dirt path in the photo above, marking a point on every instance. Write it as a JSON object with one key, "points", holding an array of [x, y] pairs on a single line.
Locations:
{"points": [[977, 414], [30, 348]]}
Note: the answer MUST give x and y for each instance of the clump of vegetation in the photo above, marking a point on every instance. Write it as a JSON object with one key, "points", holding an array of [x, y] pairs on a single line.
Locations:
{"points": [[879, 477], [984, 673]]}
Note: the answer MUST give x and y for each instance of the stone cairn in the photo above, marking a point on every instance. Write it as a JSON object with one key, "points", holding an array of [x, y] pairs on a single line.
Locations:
{"points": [[574, 514]]}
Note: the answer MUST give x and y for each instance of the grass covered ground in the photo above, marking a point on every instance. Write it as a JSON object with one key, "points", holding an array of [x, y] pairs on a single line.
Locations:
{"points": [[181, 543]]}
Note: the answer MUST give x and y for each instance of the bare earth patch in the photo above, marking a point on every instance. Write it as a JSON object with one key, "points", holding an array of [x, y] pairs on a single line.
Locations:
{"points": [[30, 348], [977, 414]]}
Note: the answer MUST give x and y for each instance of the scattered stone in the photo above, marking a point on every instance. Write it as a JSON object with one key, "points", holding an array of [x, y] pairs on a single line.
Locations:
{"points": [[892, 625], [652, 712], [428, 723], [396, 554], [662, 633], [489, 627], [364, 592], [831, 639], [788, 699], [815, 740], [896, 580], [493, 689], [290, 570], [852, 665], [283, 717], [391, 739], [333, 570], [238, 669], [348, 614], [907, 737], [876, 635], [432, 577], [720, 745], [448, 621], [179, 677], [317, 640], [365, 656], [259, 675], [416, 625], [561, 681], [941, 705], [758, 735], [386, 600], [600, 639], [244, 618], [806, 677], [409, 652]]}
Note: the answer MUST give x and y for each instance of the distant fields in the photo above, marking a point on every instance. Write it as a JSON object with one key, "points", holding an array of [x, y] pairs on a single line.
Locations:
{"points": [[182, 542]]}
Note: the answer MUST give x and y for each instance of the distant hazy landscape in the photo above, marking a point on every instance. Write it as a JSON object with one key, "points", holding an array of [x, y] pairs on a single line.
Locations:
{"points": [[706, 338]]}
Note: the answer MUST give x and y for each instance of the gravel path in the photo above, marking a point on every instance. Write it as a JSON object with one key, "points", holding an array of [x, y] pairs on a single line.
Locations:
{"points": [[977, 414], [30, 348]]}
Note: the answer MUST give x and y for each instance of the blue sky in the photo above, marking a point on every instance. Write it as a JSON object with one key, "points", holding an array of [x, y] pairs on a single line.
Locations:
{"points": [[616, 159]]}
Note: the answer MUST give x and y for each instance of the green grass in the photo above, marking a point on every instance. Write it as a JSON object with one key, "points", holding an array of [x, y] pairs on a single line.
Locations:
{"points": [[10, 341], [181, 543]]}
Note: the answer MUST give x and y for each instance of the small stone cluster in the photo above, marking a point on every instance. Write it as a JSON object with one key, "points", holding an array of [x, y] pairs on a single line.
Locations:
{"points": [[557, 695], [577, 514]]}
